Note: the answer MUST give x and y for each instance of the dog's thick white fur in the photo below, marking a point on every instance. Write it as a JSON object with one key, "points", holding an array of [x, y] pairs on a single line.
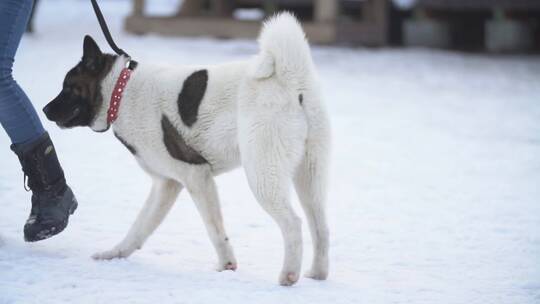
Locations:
{"points": [[264, 113]]}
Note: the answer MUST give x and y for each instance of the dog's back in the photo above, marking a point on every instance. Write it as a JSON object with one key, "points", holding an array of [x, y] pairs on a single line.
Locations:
{"points": [[278, 84]]}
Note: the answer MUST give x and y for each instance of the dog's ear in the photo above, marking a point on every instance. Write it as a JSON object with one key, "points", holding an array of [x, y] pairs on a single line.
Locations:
{"points": [[91, 52]]}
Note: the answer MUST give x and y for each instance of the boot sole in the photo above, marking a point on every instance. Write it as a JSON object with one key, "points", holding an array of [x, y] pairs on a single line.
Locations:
{"points": [[47, 234]]}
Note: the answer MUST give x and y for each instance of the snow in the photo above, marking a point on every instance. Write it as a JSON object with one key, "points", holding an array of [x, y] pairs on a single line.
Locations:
{"points": [[435, 193]]}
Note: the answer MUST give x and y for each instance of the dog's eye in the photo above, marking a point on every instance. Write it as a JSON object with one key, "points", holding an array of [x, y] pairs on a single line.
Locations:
{"points": [[72, 90]]}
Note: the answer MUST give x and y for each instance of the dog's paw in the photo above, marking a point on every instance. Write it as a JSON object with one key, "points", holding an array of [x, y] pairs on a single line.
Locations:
{"points": [[227, 266], [288, 278], [115, 253], [317, 274]]}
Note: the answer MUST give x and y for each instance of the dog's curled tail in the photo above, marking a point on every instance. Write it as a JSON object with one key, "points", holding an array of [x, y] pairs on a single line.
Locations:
{"points": [[284, 50]]}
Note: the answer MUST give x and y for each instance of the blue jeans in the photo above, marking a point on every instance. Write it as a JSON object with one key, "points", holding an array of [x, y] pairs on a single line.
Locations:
{"points": [[17, 115]]}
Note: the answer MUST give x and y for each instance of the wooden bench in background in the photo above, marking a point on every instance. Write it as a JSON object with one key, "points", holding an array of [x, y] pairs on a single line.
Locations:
{"points": [[323, 20]]}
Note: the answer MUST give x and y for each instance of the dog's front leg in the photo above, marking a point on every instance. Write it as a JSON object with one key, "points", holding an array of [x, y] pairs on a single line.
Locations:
{"points": [[204, 193], [162, 196]]}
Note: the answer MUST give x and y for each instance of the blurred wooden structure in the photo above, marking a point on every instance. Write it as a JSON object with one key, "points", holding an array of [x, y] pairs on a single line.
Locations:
{"points": [[462, 5], [482, 24], [326, 23], [357, 22]]}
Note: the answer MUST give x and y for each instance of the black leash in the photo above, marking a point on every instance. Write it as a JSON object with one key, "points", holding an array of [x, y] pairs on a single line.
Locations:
{"points": [[106, 31]]}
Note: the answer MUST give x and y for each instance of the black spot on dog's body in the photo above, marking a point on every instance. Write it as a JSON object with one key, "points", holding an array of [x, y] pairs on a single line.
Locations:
{"points": [[177, 146], [125, 143], [301, 99], [191, 96]]}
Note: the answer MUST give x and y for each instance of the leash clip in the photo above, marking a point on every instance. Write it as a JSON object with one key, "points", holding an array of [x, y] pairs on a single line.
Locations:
{"points": [[131, 64]]}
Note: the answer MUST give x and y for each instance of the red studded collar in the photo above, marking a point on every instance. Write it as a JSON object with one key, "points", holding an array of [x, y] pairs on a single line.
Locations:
{"points": [[118, 92]]}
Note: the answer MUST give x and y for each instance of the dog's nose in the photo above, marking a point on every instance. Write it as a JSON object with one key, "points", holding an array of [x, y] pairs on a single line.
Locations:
{"points": [[46, 109]]}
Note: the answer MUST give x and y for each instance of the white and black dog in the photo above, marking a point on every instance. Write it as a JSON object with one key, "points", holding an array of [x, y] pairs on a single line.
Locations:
{"points": [[187, 124]]}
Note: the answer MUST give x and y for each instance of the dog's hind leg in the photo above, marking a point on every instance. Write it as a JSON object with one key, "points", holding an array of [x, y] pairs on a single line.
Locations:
{"points": [[271, 189], [310, 183], [162, 196], [203, 191], [268, 154]]}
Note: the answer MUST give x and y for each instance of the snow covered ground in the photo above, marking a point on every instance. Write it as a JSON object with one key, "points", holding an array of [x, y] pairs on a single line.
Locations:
{"points": [[435, 192]]}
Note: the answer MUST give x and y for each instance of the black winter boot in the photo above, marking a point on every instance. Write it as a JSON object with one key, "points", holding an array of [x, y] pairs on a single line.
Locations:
{"points": [[52, 200]]}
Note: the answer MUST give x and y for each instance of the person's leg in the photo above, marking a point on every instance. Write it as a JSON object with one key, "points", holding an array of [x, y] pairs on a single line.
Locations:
{"points": [[17, 114], [30, 26], [52, 199]]}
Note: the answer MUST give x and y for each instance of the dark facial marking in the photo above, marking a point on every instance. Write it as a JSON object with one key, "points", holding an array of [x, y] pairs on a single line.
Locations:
{"points": [[301, 99], [191, 96], [124, 142], [177, 146], [80, 98]]}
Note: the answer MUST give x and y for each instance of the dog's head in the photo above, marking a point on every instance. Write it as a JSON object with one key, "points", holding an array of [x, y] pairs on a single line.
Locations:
{"points": [[80, 99]]}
